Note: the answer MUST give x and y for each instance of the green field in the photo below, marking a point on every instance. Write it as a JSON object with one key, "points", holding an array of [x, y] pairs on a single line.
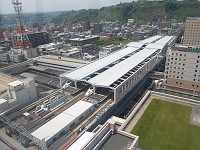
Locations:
{"points": [[165, 126]]}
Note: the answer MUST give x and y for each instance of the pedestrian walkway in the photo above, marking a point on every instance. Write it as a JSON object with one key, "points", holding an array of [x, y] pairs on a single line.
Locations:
{"points": [[135, 119]]}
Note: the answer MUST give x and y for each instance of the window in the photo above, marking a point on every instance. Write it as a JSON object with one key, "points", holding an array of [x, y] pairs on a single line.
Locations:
{"points": [[72, 125], [80, 118]]}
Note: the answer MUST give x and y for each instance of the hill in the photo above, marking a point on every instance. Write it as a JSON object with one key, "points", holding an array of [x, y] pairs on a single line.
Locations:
{"points": [[141, 11]]}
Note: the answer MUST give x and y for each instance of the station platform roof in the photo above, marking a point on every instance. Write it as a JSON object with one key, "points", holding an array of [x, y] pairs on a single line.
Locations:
{"points": [[117, 64], [96, 65], [109, 76]]}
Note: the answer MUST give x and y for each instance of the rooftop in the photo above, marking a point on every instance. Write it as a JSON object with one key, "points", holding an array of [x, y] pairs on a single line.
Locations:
{"points": [[53, 126], [82, 141], [109, 76], [84, 38], [186, 49], [193, 18], [96, 65], [116, 142], [58, 123], [15, 83], [78, 108]]}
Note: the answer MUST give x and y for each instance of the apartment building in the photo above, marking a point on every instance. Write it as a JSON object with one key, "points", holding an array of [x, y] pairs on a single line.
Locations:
{"points": [[192, 31], [182, 71]]}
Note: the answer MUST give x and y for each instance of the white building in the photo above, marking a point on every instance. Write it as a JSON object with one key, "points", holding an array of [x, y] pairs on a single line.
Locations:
{"points": [[64, 122], [28, 53], [19, 93], [23, 91]]}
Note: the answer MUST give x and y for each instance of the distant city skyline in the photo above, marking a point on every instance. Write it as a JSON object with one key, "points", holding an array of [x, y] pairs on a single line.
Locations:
{"points": [[58, 5]]}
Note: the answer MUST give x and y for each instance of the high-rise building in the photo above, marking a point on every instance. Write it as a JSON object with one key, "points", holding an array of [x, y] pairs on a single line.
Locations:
{"points": [[97, 28], [182, 71], [192, 31], [69, 25], [86, 25]]}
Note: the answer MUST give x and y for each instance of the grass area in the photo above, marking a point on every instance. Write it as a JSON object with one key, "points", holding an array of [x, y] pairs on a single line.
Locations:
{"points": [[165, 126]]}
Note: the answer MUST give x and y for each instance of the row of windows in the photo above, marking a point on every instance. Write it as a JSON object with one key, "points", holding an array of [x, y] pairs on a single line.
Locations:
{"points": [[178, 77], [174, 72], [131, 81], [179, 54], [190, 42], [192, 85], [177, 59]]}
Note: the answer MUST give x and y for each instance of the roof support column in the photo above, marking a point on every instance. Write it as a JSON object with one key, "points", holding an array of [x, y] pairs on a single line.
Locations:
{"points": [[60, 77], [115, 96], [94, 88], [75, 83]]}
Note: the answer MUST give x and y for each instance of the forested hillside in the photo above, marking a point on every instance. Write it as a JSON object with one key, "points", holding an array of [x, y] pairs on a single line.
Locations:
{"points": [[141, 11]]}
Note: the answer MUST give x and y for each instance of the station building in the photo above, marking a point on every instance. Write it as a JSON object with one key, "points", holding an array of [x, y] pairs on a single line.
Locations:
{"points": [[119, 72]]}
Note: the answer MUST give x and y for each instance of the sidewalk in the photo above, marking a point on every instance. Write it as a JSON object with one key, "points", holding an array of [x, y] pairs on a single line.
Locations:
{"points": [[135, 119]]}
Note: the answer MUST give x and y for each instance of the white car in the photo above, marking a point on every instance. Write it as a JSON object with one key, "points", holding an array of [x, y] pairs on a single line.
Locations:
{"points": [[89, 92]]}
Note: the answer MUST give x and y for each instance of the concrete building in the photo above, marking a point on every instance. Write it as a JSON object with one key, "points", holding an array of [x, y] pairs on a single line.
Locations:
{"points": [[15, 57], [64, 122], [23, 91], [86, 25], [36, 38], [4, 57], [28, 53], [106, 137], [39, 38], [20, 93], [182, 69], [192, 31], [84, 40], [12, 57], [97, 28]]}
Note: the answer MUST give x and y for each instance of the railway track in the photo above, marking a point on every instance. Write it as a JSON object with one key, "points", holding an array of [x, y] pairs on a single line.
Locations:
{"points": [[62, 107], [39, 102]]}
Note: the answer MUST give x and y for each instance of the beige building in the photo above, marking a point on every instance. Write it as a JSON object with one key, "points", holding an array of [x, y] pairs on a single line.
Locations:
{"points": [[192, 31], [182, 70]]}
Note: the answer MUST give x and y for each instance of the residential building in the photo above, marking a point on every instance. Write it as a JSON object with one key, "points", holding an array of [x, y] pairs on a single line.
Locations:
{"points": [[182, 69], [192, 31]]}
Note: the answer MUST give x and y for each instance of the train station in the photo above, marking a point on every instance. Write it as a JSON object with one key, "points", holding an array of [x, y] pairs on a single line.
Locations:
{"points": [[88, 95]]}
